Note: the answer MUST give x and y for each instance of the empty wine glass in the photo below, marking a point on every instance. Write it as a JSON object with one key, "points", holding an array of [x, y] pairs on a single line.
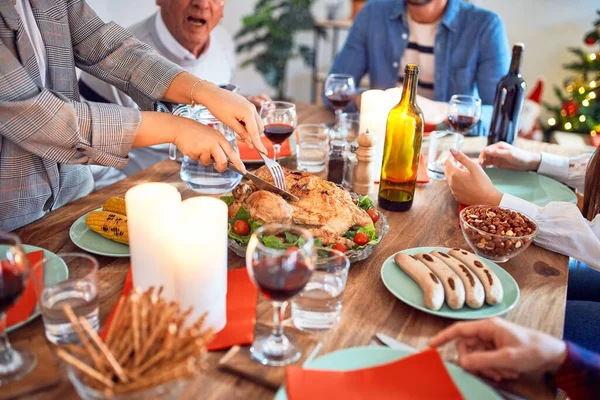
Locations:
{"points": [[280, 260], [340, 90], [280, 121], [464, 112], [13, 279]]}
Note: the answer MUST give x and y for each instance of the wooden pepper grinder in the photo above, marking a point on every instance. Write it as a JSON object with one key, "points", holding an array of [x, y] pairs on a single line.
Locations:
{"points": [[364, 176]]}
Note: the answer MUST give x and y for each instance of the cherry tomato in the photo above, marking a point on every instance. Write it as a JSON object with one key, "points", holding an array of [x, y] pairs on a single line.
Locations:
{"points": [[241, 227], [340, 247], [361, 239], [355, 201], [291, 249], [374, 214]]}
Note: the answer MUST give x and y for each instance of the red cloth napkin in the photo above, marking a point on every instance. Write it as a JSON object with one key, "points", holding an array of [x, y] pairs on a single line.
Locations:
{"points": [[251, 155], [422, 176], [24, 307], [422, 376], [241, 310]]}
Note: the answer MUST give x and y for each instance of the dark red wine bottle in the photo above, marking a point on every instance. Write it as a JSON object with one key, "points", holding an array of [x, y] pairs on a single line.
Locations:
{"points": [[509, 100]]}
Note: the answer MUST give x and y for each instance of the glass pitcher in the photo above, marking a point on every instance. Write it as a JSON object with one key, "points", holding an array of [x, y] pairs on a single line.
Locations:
{"points": [[200, 178]]}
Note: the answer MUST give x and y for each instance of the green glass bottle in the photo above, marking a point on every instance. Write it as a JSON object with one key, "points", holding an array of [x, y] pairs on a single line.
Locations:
{"points": [[403, 136]]}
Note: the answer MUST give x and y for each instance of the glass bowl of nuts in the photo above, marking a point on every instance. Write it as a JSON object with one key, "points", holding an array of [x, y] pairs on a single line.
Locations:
{"points": [[497, 233]]}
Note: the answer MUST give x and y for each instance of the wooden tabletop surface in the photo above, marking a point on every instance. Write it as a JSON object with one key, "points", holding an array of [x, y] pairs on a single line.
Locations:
{"points": [[368, 307]]}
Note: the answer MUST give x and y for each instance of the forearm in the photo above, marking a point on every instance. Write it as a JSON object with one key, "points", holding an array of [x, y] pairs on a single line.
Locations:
{"points": [[182, 89], [562, 228], [70, 132], [159, 128]]}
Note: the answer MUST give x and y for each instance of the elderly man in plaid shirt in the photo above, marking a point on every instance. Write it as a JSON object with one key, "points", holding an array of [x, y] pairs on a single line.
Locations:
{"points": [[48, 136]]}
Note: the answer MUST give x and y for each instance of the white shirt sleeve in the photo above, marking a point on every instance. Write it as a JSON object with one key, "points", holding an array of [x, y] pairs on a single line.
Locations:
{"points": [[562, 228], [570, 171]]}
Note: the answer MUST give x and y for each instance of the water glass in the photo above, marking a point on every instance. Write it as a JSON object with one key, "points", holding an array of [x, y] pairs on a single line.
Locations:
{"points": [[312, 148], [205, 179], [319, 305], [440, 143], [74, 281], [349, 127]]}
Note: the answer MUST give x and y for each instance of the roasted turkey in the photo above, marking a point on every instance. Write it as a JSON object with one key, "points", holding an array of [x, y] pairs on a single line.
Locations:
{"points": [[324, 209]]}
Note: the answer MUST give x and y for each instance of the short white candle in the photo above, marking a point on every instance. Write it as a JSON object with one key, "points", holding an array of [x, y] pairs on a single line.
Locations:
{"points": [[153, 211], [201, 267]]}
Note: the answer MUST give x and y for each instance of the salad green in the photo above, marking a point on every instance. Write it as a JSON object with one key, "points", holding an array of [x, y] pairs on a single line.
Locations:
{"points": [[289, 239]]}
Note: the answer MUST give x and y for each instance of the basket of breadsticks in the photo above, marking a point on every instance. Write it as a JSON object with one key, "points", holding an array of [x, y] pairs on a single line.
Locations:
{"points": [[150, 351]]}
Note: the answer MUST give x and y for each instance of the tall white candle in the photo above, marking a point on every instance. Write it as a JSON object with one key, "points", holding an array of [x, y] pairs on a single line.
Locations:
{"points": [[201, 268], [375, 105], [153, 211]]}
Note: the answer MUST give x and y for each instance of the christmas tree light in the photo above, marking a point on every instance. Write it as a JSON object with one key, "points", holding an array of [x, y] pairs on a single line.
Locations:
{"points": [[579, 109]]}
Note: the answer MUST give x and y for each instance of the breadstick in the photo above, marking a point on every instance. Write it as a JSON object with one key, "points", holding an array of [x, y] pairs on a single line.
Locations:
{"points": [[475, 295], [493, 288], [453, 286], [83, 367], [433, 291], [93, 355]]}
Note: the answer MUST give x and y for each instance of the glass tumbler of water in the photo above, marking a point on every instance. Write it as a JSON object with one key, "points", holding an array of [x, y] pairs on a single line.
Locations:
{"points": [[319, 305], [72, 280], [440, 143], [312, 148]]}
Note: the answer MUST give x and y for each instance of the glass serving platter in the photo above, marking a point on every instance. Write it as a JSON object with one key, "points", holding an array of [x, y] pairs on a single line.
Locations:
{"points": [[381, 227]]}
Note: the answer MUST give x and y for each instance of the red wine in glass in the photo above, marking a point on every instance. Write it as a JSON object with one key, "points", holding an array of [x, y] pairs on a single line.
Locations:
{"points": [[339, 101], [12, 285], [277, 284], [278, 133], [462, 123]]}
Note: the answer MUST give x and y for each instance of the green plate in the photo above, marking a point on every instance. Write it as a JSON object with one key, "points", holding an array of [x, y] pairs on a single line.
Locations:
{"points": [[57, 272], [90, 241], [403, 287], [536, 188], [363, 357]]}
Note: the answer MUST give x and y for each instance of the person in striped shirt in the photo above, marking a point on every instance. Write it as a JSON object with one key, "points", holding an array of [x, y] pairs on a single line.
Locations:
{"points": [[460, 49]]}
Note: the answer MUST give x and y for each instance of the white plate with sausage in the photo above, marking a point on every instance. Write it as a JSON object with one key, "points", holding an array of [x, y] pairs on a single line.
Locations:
{"points": [[450, 283]]}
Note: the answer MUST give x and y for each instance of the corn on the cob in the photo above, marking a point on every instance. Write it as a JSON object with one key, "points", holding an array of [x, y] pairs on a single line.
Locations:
{"points": [[116, 205], [111, 225]]}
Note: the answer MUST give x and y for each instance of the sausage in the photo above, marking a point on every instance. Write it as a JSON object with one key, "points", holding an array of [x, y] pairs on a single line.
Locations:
{"points": [[493, 288], [433, 291], [475, 295], [453, 286]]}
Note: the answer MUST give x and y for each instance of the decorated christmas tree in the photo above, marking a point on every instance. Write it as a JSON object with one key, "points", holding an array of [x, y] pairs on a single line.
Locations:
{"points": [[579, 109]]}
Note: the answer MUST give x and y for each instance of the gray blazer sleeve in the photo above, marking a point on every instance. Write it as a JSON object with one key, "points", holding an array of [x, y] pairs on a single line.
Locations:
{"points": [[112, 54]]}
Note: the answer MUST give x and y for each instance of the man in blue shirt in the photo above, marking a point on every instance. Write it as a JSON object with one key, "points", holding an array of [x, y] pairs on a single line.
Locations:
{"points": [[460, 48]]}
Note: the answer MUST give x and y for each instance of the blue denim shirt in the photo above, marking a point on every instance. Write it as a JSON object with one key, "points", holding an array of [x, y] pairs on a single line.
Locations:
{"points": [[471, 50]]}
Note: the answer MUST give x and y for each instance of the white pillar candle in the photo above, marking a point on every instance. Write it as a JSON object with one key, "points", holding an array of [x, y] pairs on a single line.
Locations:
{"points": [[201, 268], [375, 105], [152, 218]]}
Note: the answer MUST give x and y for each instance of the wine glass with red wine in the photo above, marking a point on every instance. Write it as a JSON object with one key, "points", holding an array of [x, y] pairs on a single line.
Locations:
{"points": [[280, 259], [464, 112], [340, 90], [13, 279], [280, 121]]}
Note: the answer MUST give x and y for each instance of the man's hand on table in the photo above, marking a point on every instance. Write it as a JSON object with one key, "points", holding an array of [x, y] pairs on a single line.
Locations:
{"points": [[499, 349]]}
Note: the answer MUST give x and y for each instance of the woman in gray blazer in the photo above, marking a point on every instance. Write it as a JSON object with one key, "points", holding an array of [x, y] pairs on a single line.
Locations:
{"points": [[48, 136]]}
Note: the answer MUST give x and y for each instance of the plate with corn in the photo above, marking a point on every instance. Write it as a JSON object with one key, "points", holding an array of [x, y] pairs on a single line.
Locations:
{"points": [[103, 231]]}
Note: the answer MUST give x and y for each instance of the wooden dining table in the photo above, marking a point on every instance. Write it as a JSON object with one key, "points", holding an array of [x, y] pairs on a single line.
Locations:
{"points": [[368, 307]]}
